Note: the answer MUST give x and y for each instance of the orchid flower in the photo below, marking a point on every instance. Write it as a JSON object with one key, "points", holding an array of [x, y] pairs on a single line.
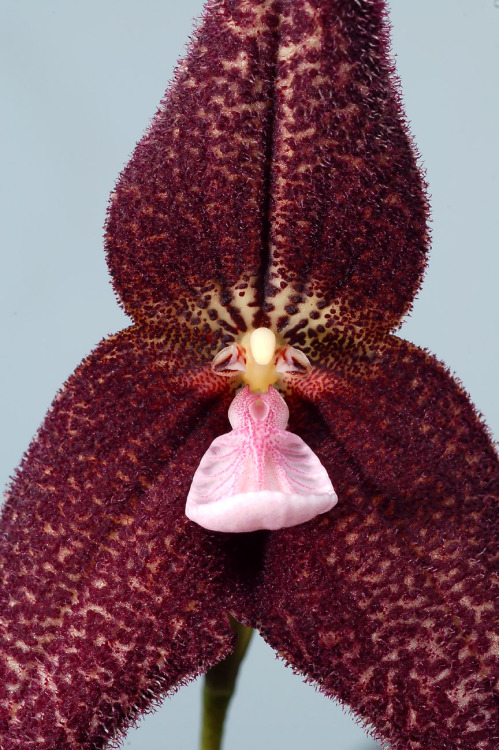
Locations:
{"points": [[277, 188]]}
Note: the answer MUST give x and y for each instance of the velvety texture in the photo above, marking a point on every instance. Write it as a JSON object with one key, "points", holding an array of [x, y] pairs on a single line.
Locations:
{"points": [[276, 186], [276, 180]]}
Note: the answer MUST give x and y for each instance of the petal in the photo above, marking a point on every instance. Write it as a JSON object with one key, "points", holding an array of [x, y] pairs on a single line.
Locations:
{"points": [[106, 584], [399, 575], [278, 175]]}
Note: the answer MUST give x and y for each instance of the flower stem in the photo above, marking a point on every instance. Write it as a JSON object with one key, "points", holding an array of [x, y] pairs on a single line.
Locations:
{"points": [[219, 684]]}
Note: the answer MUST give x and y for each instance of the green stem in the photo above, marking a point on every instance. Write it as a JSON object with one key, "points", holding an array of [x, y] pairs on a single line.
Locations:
{"points": [[219, 684]]}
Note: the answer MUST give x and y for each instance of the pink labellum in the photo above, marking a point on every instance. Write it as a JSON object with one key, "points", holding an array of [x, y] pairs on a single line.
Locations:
{"points": [[259, 476]]}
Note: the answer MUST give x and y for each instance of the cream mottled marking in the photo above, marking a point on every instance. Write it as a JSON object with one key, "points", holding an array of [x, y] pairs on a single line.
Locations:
{"points": [[255, 26]]}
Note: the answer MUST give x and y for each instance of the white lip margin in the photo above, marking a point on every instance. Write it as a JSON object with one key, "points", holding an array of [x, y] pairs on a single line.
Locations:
{"points": [[263, 509]]}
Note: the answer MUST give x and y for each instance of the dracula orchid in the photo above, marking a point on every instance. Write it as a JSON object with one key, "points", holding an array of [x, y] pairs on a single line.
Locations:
{"points": [[258, 443]]}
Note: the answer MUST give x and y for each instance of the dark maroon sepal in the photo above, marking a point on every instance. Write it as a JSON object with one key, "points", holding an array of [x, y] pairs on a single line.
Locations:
{"points": [[106, 585], [278, 176], [399, 575]]}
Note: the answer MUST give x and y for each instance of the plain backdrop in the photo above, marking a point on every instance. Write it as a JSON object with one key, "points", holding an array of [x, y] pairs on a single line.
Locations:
{"points": [[80, 81]]}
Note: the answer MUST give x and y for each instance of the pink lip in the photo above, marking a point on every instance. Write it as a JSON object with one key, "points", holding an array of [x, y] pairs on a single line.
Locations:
{"points": [[259, 475]]}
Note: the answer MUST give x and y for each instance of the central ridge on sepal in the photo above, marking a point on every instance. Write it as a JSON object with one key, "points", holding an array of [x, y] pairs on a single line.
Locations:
{"points": [[259, 475]]}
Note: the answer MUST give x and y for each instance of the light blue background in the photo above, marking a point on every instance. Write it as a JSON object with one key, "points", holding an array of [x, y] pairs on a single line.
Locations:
{"points": [[80, 81]]}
